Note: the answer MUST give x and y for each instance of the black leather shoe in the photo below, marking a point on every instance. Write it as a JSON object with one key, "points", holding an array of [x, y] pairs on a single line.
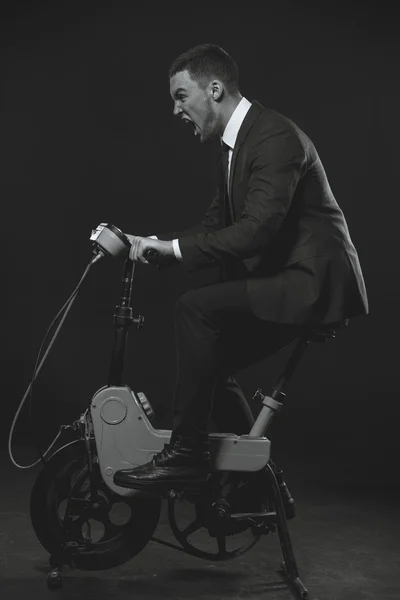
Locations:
{"points": [[182, 463]]}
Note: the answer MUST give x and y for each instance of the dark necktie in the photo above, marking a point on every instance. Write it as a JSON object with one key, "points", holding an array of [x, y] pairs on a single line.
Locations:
{"points": [[225, 158]]}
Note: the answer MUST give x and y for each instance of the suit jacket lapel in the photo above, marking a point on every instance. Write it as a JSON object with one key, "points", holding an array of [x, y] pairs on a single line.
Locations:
{"points": [[245, 127]]}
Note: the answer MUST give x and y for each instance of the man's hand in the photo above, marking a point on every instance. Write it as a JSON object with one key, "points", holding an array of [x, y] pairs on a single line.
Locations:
{"points": [[141, 244]]}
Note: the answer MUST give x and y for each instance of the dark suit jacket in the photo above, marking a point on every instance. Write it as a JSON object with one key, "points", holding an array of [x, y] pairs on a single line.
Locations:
{"points": [[288, 237]]}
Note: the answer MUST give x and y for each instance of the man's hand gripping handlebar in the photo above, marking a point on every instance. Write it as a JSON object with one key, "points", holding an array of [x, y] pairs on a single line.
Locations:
{"points": [[151, 251]]}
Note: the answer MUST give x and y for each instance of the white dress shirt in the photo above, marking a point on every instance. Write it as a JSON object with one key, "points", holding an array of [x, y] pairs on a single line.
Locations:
{"points": [[233, 126], [229, 138]]}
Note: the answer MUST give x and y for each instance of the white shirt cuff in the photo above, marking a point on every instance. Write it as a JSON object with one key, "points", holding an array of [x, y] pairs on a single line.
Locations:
{"points": [[177, 250]]}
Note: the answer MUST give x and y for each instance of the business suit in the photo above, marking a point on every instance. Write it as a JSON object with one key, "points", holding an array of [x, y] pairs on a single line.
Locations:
{"points": [[287, 257]]}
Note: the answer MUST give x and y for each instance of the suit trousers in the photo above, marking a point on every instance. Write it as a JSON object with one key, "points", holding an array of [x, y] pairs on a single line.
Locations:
{"points": [[217, 335]]}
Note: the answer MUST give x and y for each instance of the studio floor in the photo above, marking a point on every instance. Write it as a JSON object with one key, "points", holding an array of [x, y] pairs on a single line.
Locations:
{"points": [[346, 544]]}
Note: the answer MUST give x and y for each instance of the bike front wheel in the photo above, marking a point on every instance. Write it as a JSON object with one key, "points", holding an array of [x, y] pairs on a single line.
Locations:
{"points": [[105, 533]]}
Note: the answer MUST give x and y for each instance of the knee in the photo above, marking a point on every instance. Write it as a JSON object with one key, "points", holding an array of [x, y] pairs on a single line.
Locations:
{"points": [[187, 303]]}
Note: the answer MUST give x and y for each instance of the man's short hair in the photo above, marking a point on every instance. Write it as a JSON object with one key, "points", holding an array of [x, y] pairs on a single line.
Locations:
{"points": [[206, 61]]}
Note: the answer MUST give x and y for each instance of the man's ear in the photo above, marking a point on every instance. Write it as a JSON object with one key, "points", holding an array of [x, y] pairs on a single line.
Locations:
{"points": [[217, 90]]}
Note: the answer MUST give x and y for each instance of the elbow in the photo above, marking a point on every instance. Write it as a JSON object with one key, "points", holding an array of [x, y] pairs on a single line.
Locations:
{"points": [[256, 236]]}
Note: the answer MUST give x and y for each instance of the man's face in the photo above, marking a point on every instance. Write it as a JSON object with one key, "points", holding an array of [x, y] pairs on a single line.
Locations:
{"points": [[194, 105]]}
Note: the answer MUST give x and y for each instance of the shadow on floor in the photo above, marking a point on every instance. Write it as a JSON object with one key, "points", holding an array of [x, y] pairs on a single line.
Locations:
{"points": [[346, 546]]}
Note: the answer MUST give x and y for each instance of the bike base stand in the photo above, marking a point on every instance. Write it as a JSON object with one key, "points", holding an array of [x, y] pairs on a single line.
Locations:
{"points": [[276, 520], [289, 565]]}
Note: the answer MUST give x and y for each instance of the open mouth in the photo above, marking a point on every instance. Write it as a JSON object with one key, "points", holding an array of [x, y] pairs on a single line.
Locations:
{"points": [[188, 121]]}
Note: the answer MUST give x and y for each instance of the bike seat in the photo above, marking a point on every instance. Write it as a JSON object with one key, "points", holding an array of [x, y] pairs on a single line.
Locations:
{"points": [[321, 333]]}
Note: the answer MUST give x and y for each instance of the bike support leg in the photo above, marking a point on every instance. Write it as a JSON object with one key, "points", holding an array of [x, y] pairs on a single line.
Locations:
{"points": [[289, 564]]}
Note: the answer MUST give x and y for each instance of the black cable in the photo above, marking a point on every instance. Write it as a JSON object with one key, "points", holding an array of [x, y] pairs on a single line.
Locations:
{"points": [[64, 309]]}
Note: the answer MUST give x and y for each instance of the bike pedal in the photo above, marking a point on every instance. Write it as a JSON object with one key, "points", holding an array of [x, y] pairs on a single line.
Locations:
{"points": [[262, 528], [222, 509], [175, 494]]}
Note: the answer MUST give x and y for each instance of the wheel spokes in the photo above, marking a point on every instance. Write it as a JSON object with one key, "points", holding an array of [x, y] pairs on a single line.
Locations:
{"points": [[75, 528], [194, 526], [111, 530], [182, 536]]}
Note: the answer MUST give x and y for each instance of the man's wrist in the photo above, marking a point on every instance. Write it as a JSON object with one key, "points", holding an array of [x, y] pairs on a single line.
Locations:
{"points": [[175, 247]]}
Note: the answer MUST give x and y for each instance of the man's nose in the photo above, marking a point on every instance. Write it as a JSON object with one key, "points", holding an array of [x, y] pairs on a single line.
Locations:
{"points": [[177, 110]]}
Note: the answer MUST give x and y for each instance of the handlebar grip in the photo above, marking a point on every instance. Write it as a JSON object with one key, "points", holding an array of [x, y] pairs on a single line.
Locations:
{"points": [[151, 255], [160, 261]]}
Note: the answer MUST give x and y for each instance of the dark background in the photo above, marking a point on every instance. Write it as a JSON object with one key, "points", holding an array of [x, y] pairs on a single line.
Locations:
{"points": [[88, 135]]}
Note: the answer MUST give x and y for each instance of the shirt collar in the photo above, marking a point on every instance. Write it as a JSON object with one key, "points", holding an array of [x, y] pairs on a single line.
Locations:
{"points": [[232, 129]]}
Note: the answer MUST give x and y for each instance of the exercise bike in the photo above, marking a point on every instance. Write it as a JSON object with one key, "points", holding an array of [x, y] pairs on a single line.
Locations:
{"points": [[83, 519]]}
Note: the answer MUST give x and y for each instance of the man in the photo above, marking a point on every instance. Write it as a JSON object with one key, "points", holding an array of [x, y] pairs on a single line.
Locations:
{"points": [[288, 261]]}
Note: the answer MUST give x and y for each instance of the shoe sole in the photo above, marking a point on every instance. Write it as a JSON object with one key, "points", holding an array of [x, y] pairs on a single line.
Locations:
{"points": [[158, 487]]}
